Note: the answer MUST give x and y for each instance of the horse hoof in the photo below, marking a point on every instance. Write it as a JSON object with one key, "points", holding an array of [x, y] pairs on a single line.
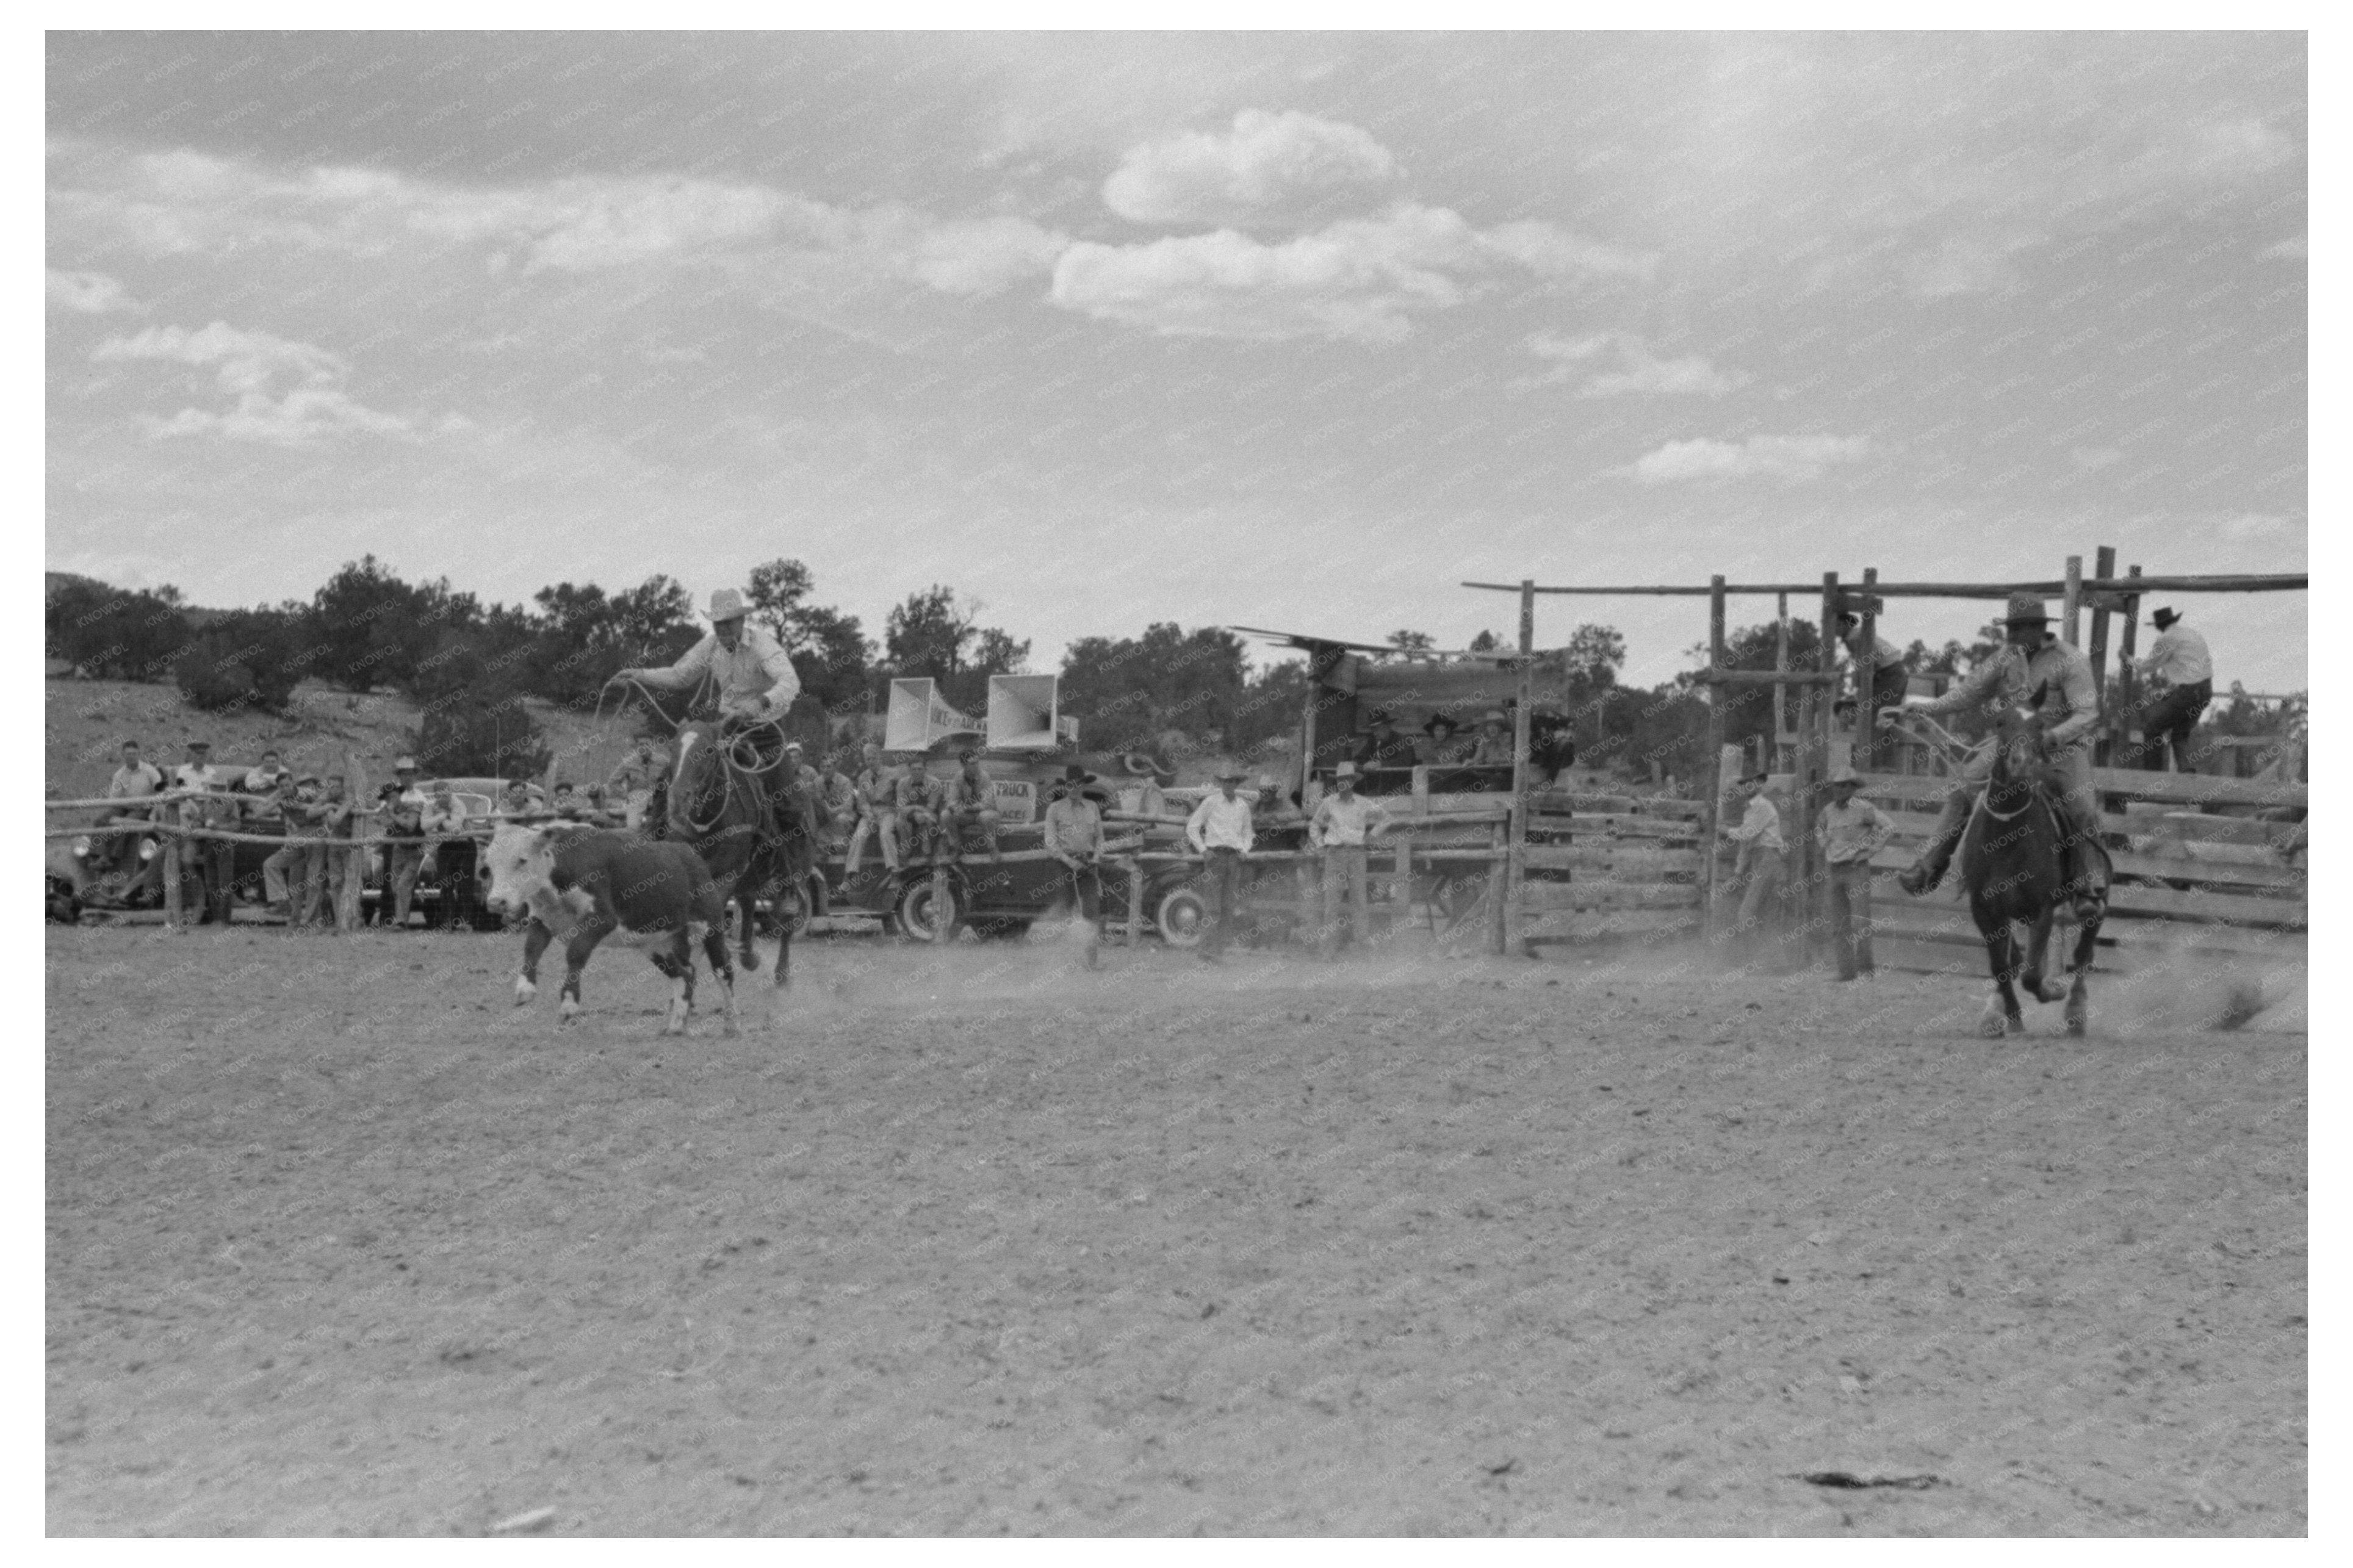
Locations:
{"points": [[2014, 1025], [1989, 1028], [2076, 1026], [749, 960]]}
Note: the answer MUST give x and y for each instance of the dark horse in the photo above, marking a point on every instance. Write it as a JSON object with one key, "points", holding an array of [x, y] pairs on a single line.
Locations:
{"points": [[747, 816], [2014, 865]]}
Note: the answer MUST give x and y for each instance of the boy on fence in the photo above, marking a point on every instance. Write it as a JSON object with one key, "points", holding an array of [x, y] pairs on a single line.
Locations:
{"points": [[1852, 830]]}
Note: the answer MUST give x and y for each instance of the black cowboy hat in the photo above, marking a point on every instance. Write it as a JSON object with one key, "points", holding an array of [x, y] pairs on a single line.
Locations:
{"points": [[2026, 608], [1074, 772], [1380, 716], [1430, 726], [2165, 618]]}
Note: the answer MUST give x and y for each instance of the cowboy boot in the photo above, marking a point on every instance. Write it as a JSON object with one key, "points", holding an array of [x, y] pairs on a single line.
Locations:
{"points": [[1922, 874]]}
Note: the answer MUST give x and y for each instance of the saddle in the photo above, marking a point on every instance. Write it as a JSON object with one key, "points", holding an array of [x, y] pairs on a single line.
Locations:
{"points": [[2085, 867]]}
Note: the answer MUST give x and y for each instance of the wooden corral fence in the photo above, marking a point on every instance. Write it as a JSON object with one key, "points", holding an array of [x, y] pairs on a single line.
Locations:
{"points": [[1595, 866]]}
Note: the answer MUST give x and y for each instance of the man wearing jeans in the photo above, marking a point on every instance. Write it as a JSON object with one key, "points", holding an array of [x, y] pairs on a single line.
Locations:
{"points": [[1219, 831], [1760, 866], [878, 812], [1074, 836], [2184, 673], [1850, 830], [1344, 822]]}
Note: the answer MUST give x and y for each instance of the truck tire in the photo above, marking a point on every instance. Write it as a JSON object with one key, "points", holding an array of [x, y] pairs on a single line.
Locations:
{"points": [[1183, 917], [917, 914]]}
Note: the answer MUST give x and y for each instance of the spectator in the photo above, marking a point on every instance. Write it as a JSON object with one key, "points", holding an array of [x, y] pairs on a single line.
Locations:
{"points": [[1343, 824], [136, 779], [630, 787], [515, 800], [2182, 673], [1443, 748], [1219, 832], [1382, 747], [260, 783], [1074, 837], [339, 818], [970, 803], [1878, 675], [1852, 830], [442, 816], [207, 857], [1494, 748], [294, 875], [1761, 865], [844, 806], [403, 804], [918, 797], [878, 814], [563, 803]]}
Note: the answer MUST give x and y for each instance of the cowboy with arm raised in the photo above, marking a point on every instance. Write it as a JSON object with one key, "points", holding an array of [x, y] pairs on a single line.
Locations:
{"points": [[2032, 668], [754, 673]]}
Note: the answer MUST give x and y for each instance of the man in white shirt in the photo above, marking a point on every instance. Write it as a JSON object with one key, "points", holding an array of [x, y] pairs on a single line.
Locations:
{"points": [[1219, 832], [209, 858], [1343, 823], [754, 675], [403, 804], [2183, 670], [1762, 863], [1074, 836], [134, 780]]}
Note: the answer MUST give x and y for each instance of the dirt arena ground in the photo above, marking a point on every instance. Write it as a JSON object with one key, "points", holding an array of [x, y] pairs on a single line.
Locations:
{"points": [[973, 1242]]}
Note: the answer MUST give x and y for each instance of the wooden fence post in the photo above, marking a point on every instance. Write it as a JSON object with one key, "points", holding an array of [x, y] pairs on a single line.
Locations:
{"points": [[2103, 566], [168, 847], [1499, 859], [1516, 861], [1134, 903], [347, 895], [1817, 771], [1710, 829], [2070, 622], [2127, 678], [1780, 691], [1865, 751]]}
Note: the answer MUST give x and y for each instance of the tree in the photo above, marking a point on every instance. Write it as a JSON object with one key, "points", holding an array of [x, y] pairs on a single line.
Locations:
{"points": [[105, 632], [1409, 642], [581, 636], [1129, 692], [931, 635], [369, 627], [830, 649], [247, 659], [482, 731], [1484, 643], [1595, 654]]}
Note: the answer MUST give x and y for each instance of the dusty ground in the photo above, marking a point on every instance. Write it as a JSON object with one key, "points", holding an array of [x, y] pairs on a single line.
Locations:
{"points": [[339, 1242]]}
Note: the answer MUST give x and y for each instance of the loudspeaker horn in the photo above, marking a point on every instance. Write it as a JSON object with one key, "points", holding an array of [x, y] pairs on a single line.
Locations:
{"points": [[918, 720], [1021, 712]]}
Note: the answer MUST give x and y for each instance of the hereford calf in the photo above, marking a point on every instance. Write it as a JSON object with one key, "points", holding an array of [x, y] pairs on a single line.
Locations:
{"points": [[587, 884]]}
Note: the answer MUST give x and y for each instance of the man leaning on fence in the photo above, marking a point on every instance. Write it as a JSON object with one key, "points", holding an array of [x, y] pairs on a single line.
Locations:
{"points": [[403, 804], [1343, 824], [294, 875], [212, 859], [1760, 866], [1851, 830], [136, 779], [1219, 832]]}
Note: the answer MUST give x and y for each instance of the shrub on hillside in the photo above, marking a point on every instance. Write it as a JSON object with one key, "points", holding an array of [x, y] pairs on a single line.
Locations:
{"points": [[112, 635], [249, 658], [480, 730]]}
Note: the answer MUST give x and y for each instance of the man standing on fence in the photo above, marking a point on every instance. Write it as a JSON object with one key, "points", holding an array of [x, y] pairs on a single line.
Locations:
{"points": [[1877, 670], [1761, 865], [1343, 824], [1852, 829], [1219, 832], [209, 857], [1074, 837], [2184, 673]]}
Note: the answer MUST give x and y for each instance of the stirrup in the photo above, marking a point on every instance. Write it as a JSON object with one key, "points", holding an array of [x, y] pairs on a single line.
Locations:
{"points": [[1918, 878]]}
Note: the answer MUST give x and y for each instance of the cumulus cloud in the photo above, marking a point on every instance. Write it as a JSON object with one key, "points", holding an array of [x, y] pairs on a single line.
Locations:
{"points": [[1967, 264], [88, 294], [285, 392], [1360, 279], [1635, 370], [1265, 162], [182, 202], [1784, 458]]}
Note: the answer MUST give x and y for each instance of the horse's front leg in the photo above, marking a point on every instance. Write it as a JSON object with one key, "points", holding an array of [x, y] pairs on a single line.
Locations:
{"points": [[748, 920], [2038, 948], [2002, 1014], [714, 947], [575, 959], [535, 943], [2079, 992], [676, 959]]}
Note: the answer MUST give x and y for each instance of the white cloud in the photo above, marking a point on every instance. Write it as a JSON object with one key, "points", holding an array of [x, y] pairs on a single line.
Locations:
{"points": [[1967, 264], [190, 201], [88, 294], [2287, 250], [2254, 525], [1786, 457], [1267, 161], [1638, 373], [256, 370], [1551, 251], [1360, 279]]}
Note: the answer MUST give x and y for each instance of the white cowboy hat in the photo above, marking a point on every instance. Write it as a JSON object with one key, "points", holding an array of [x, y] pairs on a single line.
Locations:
{"points": [[726, 604]]}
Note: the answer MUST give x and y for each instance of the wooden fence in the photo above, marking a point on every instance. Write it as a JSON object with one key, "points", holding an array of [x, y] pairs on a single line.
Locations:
{"points": [[1597, 867]]}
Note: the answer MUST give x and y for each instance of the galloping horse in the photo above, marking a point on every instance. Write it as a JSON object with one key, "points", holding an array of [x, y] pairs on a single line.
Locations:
{"points": [[2014, 865], [749, 819]]}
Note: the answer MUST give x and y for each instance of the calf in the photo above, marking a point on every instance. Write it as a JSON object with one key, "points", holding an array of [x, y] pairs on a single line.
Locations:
{"points": [[587, 884]]}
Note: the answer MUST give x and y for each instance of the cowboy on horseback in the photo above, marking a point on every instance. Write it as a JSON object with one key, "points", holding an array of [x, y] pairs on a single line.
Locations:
{"points": [[2035, 670], [754, 674]]}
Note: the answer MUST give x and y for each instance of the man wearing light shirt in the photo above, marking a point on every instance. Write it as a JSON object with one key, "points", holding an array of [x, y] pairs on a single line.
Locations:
{"points": [[2184, 670], [207, 857], [755, 675], [135, 779], [1343, 823], [1219, 832], [1074, 836], [1850, 830], [1762, 861]]}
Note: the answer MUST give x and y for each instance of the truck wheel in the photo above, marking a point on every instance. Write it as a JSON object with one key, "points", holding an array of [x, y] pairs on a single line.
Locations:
{"points": [[1183, 917], [919, 913]]}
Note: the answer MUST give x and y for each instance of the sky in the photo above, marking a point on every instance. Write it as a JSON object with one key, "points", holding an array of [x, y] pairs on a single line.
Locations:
{"points": [[1297, 330]]}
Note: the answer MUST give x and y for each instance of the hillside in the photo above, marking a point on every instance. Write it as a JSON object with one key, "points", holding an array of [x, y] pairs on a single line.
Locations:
{"points": [[87, 720]]}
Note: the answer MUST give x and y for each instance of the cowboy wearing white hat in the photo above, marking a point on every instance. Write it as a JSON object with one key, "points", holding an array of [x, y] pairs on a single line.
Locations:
{"points": [[2183, 673], [2033, 670], [1343, 823], [754, 674], [1850, 830]]}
